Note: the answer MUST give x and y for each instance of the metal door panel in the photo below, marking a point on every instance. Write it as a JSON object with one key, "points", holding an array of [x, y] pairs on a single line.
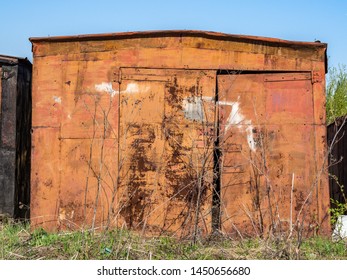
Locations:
{"points": [[167, 120], [266, 139]]}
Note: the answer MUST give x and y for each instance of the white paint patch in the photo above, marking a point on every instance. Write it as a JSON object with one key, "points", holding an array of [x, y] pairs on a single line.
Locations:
{"points": [[250, 139], [57, 99], [132, 88], [207, 98], [236, 118], [106, 87], [193, 108]]}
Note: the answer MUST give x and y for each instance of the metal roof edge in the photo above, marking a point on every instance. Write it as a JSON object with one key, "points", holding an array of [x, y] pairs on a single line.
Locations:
{"points": [[12, 60], [176, 33]]}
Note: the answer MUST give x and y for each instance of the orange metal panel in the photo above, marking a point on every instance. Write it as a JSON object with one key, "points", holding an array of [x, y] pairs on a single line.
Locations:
{"points": [[46, 91], [187, 49], [272, 144], [323, 195], [89, 184], [141, 151], [84, 110], [45, 178], [164, 114], [321, 146], [89, 100], [289, 101]]}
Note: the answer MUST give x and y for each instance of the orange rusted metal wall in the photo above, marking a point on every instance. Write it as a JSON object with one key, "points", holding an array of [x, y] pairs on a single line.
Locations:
{"points": [[178, 132]]}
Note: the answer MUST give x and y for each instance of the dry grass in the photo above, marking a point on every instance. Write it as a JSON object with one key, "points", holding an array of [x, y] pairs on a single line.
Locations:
{"points": [[18, 242]]}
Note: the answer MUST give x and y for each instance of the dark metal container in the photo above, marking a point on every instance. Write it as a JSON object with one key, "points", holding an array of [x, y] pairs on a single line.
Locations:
{"points": [[15, 137]]}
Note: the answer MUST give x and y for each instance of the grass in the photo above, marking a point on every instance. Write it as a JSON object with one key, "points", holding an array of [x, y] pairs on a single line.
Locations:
{"points": [[18, 242]]}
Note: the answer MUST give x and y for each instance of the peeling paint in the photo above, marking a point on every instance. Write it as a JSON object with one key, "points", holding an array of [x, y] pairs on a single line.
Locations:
{"points": [[65, 216], [193, 108], [62, 215], [132, 88], [207, 98], [250, 139], [57, 99], [237, 119], [106, 87]]}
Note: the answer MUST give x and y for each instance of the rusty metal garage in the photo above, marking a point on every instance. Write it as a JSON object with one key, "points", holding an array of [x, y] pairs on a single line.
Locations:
{"points": [[180, 133]]}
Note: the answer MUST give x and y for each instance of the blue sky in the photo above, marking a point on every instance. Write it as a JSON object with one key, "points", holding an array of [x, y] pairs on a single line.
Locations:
{"points": [[298, 20]]}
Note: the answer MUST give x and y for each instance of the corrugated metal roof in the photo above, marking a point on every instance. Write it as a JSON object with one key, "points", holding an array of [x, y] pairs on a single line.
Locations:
{"points": [[169, 33]]}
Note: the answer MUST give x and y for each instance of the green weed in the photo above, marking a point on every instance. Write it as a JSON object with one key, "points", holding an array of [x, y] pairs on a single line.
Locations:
{"points": [[18, 242]]}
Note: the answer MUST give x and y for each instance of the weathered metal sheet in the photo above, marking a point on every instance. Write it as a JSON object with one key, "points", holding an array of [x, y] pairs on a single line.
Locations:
{"points": [[0, 92], [269, 173], [15, 123], [45, 178], [146, 174], [9, 92], [138, 122], [336, 135], [186, 49], [164, 117], [83, 134], [8, 139], [23, 139]]}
